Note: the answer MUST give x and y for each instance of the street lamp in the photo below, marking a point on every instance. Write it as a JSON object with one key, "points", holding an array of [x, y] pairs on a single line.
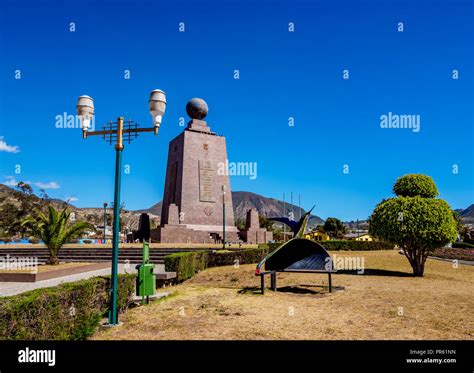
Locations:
{"points": [[116, 131], [105, 219], [224, 188]]}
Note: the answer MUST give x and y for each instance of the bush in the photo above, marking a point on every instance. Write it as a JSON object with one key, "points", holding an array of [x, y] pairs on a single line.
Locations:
{"points": [[353, 245], [415, 185], [6, 239], [70, 311], [459, 254], [462, 245], [248, 256], [186, 264], [270, 246]]}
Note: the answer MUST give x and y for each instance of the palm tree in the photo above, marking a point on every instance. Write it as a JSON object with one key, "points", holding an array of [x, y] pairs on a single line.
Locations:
{"points": [[54, 229]]}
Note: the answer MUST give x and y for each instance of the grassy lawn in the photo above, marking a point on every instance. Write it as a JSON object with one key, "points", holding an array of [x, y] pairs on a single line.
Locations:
{"points": [[222, 303]]}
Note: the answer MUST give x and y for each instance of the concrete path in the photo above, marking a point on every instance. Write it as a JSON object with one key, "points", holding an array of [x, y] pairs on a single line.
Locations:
{"points": [[13, 288]]}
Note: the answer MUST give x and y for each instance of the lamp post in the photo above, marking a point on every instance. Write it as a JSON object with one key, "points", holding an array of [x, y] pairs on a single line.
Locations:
{"points": [[116, 131], [224, 188], [105, 218]]}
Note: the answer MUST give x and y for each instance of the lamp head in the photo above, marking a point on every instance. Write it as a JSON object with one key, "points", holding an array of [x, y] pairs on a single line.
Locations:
{"points": [[157, 107], [85, 111]]}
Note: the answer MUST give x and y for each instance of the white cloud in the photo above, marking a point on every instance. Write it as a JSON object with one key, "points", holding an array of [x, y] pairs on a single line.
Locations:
{"points": [[11, 182], [49, 185], [72, 199], [4, 147]]}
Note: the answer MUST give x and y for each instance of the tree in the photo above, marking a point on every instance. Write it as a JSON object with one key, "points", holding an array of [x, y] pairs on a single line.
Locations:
{"points": [[240, 224], [54, 229], [460, 227], [415, 220], [334, 227], [266, 223]]}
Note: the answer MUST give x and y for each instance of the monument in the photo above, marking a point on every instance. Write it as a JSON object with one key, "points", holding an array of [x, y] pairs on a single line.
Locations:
{"points": [[195, 191], [252, 232]]}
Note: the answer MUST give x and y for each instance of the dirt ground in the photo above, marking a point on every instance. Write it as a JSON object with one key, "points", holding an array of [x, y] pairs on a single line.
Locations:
{"points": [[385, 302]]}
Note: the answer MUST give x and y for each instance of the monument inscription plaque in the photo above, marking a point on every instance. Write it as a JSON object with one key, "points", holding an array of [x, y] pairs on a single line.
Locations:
{"points": [[206, 182]]}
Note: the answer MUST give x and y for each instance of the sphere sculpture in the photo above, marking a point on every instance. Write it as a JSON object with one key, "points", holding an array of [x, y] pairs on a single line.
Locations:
{"points": [[197, 108]]}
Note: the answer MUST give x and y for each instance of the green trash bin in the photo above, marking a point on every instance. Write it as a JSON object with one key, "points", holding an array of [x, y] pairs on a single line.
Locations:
{"points": [[146, 279]]}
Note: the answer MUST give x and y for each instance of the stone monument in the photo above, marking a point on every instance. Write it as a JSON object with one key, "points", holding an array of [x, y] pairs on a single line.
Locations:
{"points": [[195, 188], [252, 232]]}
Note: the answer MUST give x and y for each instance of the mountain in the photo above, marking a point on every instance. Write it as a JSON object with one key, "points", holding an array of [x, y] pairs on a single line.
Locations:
{"points": [[11, 204], [269, 207], [155, 209], [467, 215]]}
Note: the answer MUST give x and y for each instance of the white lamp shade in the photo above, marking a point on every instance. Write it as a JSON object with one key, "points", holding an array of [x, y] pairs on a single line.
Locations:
{"points": [[85, 110], [157, 105]]}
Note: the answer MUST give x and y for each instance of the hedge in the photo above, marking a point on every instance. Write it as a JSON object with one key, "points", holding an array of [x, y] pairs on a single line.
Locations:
{"points": [[187, 264], [70, 311], [459, 254], [353, 245], [462, 245], [350, 245], [248, 256]]}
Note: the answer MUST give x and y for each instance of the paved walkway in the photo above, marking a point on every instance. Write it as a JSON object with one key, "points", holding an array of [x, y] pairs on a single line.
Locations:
{"points": [[12, 288]]}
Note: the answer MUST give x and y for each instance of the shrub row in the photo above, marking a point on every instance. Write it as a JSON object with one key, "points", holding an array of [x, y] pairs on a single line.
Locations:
{"points": [[70, 311], [462, 245], [187, 264], [352, 245], [459, 254], [248, 256]]}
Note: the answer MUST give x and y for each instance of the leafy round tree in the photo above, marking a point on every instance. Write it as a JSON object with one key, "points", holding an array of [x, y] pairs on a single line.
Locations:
{"points": [[334, 226], [418, 224], [413, 185]]}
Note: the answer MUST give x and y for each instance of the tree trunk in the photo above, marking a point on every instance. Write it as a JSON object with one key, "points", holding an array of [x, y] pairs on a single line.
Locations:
{"points": [[53, 259], [418, 267], [416, 259]]}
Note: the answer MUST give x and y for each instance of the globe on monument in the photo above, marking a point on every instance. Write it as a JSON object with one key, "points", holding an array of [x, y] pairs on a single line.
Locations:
{"points": [[197, 108]]}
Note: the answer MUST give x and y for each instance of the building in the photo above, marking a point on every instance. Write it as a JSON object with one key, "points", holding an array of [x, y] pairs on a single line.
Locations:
{"points": [[358, 237], [317, 236]]}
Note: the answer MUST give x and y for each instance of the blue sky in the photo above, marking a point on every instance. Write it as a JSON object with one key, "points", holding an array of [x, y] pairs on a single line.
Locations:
{"points": [[282, 74]]}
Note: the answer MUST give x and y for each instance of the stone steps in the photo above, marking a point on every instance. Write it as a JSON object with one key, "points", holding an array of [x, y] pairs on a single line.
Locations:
{"points": [[133, 255]]}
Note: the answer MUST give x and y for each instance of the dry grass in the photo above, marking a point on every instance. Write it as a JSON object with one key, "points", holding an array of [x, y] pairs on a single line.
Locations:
{"points": [[221, 303]]}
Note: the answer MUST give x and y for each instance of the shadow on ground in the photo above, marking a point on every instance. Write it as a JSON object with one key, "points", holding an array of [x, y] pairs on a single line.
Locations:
{"points": [[294, 289], [375, 272]]}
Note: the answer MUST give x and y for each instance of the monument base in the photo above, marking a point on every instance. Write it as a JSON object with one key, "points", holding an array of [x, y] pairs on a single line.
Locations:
{"points": [[256, 235], [180, 233]]}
